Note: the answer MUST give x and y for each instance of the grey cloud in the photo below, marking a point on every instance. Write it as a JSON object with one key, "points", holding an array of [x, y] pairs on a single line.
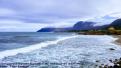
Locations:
{"points": [[53, 8], [56, 11]]}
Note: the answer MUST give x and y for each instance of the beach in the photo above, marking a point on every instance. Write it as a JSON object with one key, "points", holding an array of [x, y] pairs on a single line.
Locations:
{"points": [[118, 41], [116, 62], [63, 49]]}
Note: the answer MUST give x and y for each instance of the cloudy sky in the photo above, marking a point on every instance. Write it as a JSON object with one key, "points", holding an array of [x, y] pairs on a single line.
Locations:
{"points": [[32, 15]]}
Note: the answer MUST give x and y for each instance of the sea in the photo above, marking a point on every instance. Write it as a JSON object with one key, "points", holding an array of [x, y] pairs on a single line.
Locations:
{"points": [[56, 50]]}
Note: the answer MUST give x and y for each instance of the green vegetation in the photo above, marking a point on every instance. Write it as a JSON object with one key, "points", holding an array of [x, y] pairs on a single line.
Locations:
{"points": [[107, 31]]}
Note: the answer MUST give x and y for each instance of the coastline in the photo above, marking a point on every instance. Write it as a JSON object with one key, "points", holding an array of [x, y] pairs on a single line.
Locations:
{"points": [[118, 40], [89, 54]]}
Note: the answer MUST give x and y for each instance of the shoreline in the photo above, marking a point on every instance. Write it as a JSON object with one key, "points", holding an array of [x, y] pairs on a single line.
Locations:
{"points": [[118, 40]]}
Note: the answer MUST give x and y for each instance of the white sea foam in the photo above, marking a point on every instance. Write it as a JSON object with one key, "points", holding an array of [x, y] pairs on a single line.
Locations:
{"points": [[84, 48], [32, 47]]}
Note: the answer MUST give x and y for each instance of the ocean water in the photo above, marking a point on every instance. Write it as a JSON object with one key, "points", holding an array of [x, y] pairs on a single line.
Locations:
{"points": [[56, 50], [14, 40]]}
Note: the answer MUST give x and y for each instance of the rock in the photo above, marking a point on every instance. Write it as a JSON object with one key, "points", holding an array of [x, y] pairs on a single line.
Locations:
{"points": [[112, 49], [97, 61]]}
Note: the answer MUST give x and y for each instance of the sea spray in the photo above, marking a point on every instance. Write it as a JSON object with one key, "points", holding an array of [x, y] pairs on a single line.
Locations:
{"points": [[32, 47]]}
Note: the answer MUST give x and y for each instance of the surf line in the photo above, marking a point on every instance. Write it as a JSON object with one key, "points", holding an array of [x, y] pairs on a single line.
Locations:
{"points": [[32, 47]]}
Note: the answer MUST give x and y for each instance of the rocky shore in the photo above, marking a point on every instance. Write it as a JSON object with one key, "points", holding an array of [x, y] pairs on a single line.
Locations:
{"points": [[117, 62]]}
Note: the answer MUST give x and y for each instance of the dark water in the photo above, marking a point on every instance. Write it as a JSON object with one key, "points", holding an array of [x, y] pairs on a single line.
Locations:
{"points": [[13, 40]]}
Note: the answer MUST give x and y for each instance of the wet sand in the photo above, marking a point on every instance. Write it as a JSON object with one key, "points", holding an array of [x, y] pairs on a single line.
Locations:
{"points": [[118, 41]]}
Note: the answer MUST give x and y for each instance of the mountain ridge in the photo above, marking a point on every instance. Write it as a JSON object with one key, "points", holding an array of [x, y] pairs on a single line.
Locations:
{"points": [[83, 25]]}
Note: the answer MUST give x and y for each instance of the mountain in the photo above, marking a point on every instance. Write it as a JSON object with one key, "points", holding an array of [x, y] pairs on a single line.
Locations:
{"points": [[116, 24], [81, 25], [46, 30], [88, 26], [54, 29]]}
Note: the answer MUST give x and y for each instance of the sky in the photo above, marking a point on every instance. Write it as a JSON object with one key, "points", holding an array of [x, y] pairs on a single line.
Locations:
{"points": [[32, 15]]}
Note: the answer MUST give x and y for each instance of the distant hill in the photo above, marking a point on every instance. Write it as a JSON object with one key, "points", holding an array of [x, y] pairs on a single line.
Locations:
{"points": [[87, 26], [46, 30], [81, 25], [78, 26], [116, 24], [55, 29]]}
